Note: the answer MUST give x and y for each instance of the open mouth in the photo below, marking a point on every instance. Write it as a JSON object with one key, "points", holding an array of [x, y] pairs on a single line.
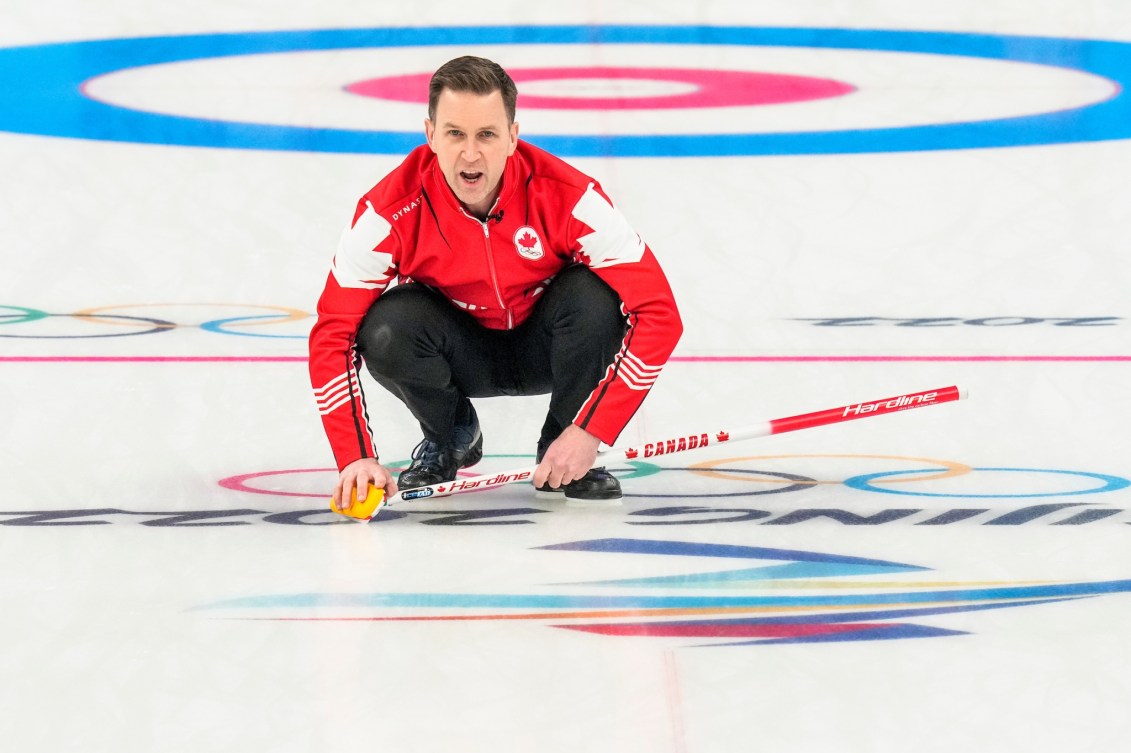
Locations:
{"points": [[470, 178]]}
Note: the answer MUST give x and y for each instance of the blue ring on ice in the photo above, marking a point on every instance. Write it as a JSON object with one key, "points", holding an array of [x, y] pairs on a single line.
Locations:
{"points": [[41, 90], [1110, 484]]}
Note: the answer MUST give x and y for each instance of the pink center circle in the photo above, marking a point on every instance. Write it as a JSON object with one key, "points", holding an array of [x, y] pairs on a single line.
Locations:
{"points": [[696, 88]]}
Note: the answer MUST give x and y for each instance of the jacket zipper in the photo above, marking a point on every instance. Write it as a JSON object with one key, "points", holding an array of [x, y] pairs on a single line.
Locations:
{"points": [[491, 268]]}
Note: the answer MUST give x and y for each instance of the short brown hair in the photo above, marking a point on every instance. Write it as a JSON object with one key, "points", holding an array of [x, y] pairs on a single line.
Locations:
{"points": [[475, 75]]}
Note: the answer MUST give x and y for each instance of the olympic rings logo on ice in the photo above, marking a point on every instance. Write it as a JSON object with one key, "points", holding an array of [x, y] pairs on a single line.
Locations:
{"points": [[22, 322], [1003, 498], [148, 319], [884, 482], [985, 483]]}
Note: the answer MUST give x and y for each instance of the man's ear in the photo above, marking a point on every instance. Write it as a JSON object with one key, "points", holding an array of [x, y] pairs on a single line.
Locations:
{"points": [[514, 138], [430, 133]]}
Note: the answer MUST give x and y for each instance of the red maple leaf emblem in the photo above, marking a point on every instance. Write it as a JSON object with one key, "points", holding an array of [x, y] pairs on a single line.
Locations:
{"points": [[527, 240], [630, 453], [722, 436]]}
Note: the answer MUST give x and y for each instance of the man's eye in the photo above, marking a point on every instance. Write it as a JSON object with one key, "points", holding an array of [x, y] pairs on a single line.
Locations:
{"points": [[455, 134]]}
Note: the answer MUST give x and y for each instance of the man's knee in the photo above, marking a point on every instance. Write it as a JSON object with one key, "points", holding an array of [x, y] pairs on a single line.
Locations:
{"points": [[390, 334], [586, 301]]}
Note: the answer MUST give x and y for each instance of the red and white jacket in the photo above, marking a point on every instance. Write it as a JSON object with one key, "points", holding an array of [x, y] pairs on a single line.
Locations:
{"points": [[410, 226]]}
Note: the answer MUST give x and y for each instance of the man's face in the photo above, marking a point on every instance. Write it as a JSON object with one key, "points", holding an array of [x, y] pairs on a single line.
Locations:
{"points": [[472, 140]]}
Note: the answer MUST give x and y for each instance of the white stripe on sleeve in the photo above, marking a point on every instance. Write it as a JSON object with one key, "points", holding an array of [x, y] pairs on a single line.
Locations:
{"points": [[336, 393], [637, 374]]}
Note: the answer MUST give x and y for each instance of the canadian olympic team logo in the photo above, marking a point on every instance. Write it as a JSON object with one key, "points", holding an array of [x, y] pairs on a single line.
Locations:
{"points": [[528, 244]]}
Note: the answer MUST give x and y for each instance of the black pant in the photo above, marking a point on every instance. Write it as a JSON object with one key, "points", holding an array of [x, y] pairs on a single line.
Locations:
{"points": [[433, 356]]}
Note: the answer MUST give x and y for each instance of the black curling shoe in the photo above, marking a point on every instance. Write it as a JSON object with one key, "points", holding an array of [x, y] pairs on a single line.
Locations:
{"points": [[596, 487], [433, 463]]}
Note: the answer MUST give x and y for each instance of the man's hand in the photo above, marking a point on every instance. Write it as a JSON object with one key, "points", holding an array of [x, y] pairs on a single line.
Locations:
{"points": [[358, 475], [568, 458]]}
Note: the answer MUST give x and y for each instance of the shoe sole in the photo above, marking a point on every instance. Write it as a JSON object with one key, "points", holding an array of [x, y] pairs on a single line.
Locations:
{"points": [[559, 496], [607, 502]]}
